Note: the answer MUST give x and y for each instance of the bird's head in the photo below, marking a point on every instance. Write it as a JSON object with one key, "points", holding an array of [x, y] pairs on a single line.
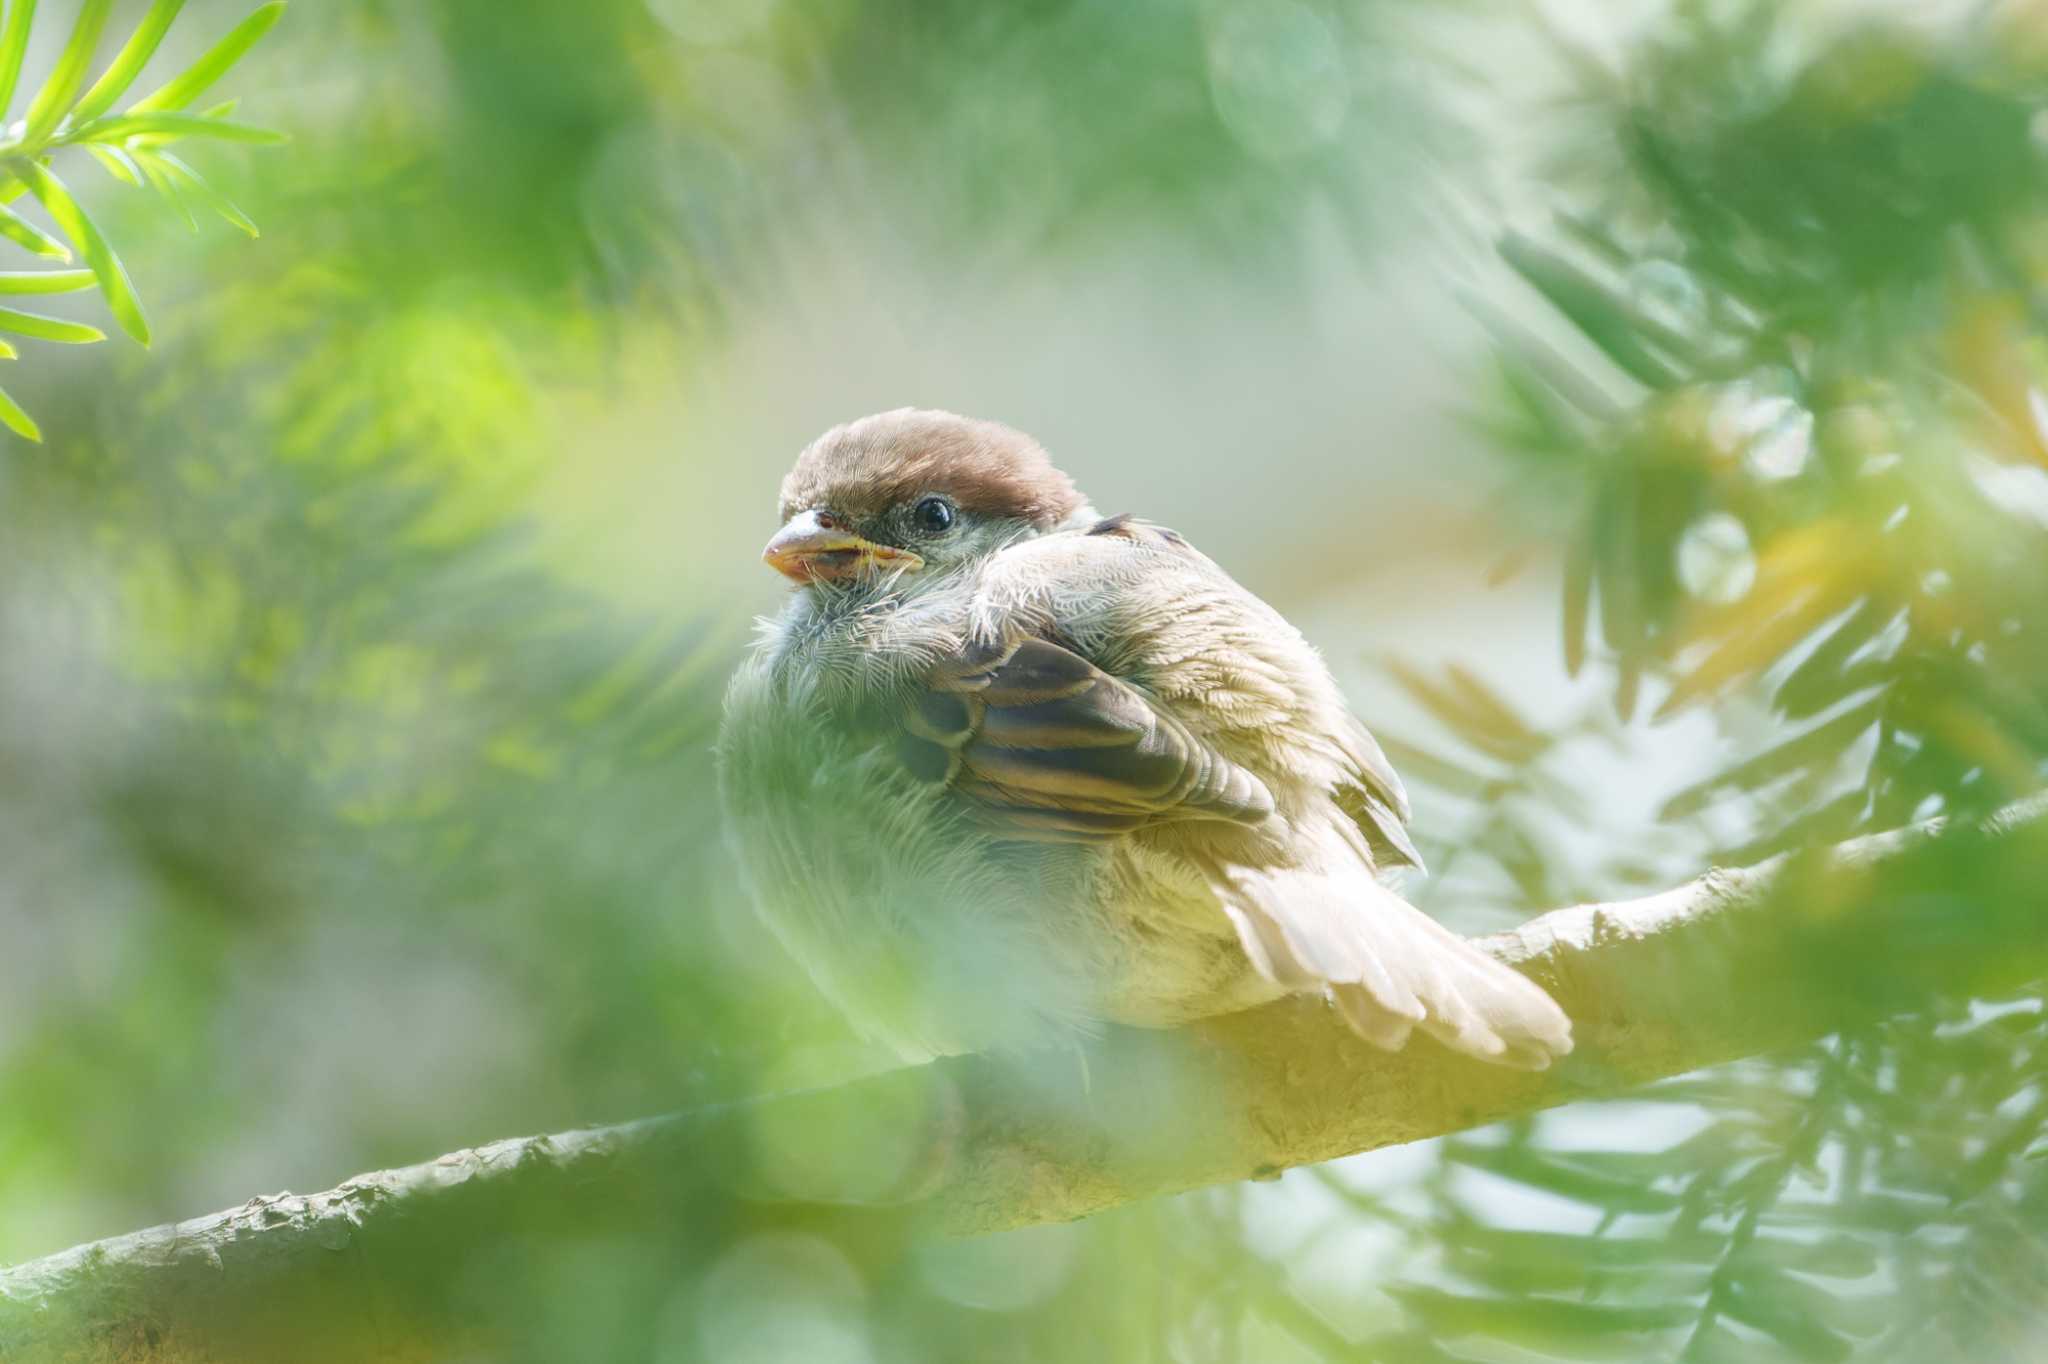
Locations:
{"points": [[913, 492]]}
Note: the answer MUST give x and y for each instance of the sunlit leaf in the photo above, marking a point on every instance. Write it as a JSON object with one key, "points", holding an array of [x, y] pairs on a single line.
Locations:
{"points": [[1804, 579], [44, 281], [21, 16], [170, 126], [55, 99], [79, 226], [165, 184], [1820, 679], [11, 413], [22, 232], [1470, 711], [118, 164], [204, 192], [49, 328], [129, 61], [196, 79]]}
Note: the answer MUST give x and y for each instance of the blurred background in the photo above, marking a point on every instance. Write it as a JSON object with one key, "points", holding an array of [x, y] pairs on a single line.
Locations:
{"points": [[1641, 405]]}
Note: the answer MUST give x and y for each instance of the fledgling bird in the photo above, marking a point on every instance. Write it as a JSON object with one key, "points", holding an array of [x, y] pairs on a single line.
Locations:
{"points": [[1004, 769]]}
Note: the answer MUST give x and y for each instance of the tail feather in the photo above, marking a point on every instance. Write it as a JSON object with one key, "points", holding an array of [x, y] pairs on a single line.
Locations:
{"points": [[1389, 968]]}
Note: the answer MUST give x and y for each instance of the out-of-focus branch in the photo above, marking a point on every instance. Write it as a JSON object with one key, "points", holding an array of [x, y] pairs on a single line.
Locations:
{"points": [[412, 1264]]}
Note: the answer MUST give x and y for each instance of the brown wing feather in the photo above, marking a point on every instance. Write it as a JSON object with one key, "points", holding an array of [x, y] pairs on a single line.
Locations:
{"points": [[1051, 746], [1376, 801]]}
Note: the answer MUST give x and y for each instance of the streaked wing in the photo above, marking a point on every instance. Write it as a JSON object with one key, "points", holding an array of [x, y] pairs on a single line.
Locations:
{"points": [[1050, 746], [1372, 795]]}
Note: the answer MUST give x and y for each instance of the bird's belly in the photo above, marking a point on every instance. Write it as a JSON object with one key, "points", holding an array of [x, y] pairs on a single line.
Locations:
{"points": [[1177, 956], [937, 937]]}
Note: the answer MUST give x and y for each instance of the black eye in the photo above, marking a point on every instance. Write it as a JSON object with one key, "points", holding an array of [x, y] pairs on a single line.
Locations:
{"points": [[934, 514]]}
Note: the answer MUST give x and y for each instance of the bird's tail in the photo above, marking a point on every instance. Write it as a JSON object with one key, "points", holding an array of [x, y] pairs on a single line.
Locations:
{"points": [[1390, 968]]}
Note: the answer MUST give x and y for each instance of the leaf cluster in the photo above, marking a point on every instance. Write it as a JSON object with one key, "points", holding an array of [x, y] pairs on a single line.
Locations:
{"points": [[134, 145], [1800, 414]]}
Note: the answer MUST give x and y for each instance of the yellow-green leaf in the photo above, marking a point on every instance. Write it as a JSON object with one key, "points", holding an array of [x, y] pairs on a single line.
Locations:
{"points": [[22, 232], [124, 126], [13, 47], [128, 63], [44, 281], [49, 328], [17, 420], [60, 91], [195, 79], [117, 164], [79, 226], [208, 195], [165, 184]]}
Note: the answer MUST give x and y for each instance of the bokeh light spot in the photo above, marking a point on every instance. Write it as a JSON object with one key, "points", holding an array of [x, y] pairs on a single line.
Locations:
{"points": [[1277, 78], [1715, 562]]}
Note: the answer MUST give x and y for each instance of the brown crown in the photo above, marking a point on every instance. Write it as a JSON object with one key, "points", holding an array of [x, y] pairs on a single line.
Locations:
{"points": [[864, 467]]}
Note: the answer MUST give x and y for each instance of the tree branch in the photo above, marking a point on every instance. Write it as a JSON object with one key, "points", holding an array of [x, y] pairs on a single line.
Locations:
{"points": [[416, 1262]]}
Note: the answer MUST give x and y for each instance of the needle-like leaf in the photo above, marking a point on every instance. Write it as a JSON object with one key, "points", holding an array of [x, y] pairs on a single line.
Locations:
{"points": [[13, 47], [22, 232], [17, 420], [124, 126], [208, 195], [165, 184], [117, 163], [79, 226], [60, 91], [44, 281], [128, 63], [49, 328], [195, 79]]}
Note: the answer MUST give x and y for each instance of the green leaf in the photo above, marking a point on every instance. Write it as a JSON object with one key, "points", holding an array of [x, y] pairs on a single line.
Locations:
{"points": [[1545, 1324], [21, 231], [118, 164], [1472, 712], [1598, 311], [17, 420], [60, 91], [128, 63], [208, 195], [196, 79], [1578, 598], [124, 126], [79, 226], [13, 47], [49, 328], [44, 281], [165, 184]]}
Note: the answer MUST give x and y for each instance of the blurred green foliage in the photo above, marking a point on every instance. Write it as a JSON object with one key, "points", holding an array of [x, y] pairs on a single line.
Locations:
{"points": [[341, 823]]}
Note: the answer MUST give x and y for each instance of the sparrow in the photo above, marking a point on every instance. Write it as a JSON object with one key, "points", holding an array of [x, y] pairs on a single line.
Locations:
{"points": [[1004, 770]]}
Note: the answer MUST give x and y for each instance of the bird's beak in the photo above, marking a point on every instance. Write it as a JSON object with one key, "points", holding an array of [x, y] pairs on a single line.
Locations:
{"points": [[813, 546]]}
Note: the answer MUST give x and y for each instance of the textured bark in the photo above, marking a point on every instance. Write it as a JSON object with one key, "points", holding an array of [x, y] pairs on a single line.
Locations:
{"points": [[432, 1261]]}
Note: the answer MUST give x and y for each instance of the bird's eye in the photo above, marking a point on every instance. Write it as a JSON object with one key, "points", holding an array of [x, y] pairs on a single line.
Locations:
{"points": [[934, 514]]}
